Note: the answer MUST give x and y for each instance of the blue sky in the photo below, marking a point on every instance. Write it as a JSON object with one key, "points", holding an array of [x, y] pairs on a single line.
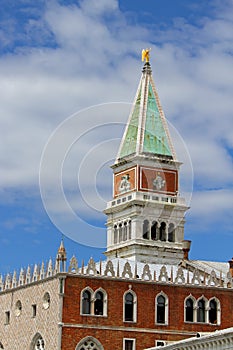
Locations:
{"points": [[69, 71]]}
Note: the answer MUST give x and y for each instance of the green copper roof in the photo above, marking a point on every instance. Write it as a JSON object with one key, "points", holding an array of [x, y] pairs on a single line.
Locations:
{"points": [[130, 139], [155, 138], [146, 131]]}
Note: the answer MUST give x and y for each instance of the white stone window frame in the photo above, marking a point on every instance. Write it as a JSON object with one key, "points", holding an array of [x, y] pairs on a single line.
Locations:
{"points": [[90, 290], [134, 306], [218, 311], [92, 301], [206, 309], [132, 339], [105, 302], [190, 296], [166, 309]]}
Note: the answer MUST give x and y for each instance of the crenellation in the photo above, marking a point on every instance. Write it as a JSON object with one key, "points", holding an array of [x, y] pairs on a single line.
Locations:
{"points": [[120, 269]]}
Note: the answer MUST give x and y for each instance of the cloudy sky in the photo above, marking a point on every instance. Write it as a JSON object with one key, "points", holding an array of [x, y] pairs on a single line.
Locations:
{"points": [[69, 70]]}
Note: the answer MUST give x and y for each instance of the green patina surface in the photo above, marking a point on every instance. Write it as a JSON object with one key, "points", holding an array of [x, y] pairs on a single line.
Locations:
{"points": [[155, 138], [130, 142]]}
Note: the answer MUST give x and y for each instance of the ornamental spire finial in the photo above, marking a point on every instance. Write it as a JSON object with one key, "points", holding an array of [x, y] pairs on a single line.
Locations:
{"points": [[146, 55]]}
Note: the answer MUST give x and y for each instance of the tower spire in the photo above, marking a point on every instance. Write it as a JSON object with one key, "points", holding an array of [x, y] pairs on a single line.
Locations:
{"points": [[61, 257], [146, 216], [146, 132]]}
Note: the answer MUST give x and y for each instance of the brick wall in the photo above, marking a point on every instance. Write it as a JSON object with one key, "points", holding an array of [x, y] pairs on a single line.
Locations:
{"points": [[111, 330]]}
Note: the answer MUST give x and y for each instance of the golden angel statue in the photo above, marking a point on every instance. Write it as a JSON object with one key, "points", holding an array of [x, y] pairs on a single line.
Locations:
{"points": [[146, 55]]}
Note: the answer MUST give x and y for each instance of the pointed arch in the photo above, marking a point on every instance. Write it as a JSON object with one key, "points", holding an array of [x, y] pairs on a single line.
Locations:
{"points": [[37, 342], [201, 309], [89, 343], [1, 346], [161, 308], [130, 306], [214, 311], [189, 309], [86, 301], [100, 302]]}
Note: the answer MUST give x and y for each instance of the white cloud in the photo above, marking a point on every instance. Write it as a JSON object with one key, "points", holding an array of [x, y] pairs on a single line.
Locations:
{"points": [[97, 59]]}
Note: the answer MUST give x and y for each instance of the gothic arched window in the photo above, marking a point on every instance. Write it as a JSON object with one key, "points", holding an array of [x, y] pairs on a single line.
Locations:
{"points": [[99, 303], [130, 306], [201, 310], [189, 310], [160, 309], [213, 309], [86, 302]]}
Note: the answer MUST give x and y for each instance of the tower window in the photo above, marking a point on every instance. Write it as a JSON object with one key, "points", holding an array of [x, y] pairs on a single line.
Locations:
{"points": [[120, 232], [146, 229], [189, 310], [162, 231], [115, 234], [125, 231], [129, 224], [154, 231], [171, 233]]}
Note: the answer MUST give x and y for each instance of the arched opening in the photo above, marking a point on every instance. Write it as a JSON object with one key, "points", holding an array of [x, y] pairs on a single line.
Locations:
{"points": [[125, 231], [162, 231], [146, 229], [89, 343], [171, 233], [120, 232], [130, 228], [201, 310], [1, 346], [86, 302], [38, 343], [213, 311], [189, 310], [99, 303], [154, 231], [115, 234], [160, 309], [129, 307]]}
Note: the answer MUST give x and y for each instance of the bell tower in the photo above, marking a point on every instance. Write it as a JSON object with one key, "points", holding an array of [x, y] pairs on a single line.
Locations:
{"points": [[146, 215]]}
